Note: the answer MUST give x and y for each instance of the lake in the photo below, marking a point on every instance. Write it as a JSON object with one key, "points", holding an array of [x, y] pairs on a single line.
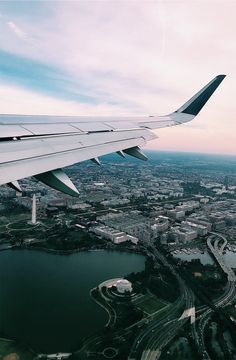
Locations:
{"points": [[44, 298]]}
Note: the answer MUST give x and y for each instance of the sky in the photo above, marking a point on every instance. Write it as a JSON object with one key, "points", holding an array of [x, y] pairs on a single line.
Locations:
{"points": [[121, 57]]}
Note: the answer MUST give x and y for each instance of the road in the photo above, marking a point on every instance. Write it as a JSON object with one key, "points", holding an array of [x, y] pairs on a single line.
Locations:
{"points": [[128, 207], [217, 251], [213, 243], [163, 326], [150, 342]]}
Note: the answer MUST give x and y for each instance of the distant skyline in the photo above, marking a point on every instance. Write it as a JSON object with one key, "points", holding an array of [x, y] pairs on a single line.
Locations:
{"points": [[122, 58]]}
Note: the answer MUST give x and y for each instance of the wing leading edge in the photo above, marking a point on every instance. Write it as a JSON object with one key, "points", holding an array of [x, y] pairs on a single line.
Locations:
{"points": [[41, 146]]}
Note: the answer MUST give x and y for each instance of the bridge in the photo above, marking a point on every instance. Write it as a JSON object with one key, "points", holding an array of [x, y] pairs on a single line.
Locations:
{"points": [[217, 251]]}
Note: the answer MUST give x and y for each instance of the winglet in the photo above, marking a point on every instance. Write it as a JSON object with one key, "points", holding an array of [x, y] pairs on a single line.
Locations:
{"points": [[196, 103]]}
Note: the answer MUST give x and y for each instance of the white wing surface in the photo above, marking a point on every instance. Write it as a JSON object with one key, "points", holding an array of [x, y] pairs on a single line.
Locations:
{"points": [[41, 146]]}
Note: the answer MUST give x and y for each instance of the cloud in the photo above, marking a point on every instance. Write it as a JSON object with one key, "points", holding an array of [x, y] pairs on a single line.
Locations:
{"points": [[17, 30], [15, 100], [131, 57]]}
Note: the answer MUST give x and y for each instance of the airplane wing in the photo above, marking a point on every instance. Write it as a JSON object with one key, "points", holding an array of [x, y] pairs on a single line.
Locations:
{"points": [[40, 146]]}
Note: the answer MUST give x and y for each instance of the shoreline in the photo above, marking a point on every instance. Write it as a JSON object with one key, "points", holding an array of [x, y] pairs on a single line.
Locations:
{"points": [[67, 253], [72, 251]]}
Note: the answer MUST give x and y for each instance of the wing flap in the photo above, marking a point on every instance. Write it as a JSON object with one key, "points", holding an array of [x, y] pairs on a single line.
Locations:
{"points": [[44, 129], [10, 131], [42, 155]]}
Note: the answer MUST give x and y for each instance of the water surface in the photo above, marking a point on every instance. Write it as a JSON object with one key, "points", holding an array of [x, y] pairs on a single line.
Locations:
{"points": [[205, 258], [44, 298]]}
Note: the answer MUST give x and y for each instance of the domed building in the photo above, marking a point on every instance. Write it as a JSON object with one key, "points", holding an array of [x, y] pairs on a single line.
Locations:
{"points": [[123, 285]]}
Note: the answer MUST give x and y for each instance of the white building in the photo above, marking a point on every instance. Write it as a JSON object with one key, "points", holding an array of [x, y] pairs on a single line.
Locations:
{"points": [[201, 229], [108, 232], [79, 206], [184, 234], [204, 200], [116, 236], [133, 239], [161, 224], [123, 286], [201, 221]]}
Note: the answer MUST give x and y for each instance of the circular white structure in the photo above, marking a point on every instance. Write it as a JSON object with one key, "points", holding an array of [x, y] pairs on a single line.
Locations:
{"points": [[123, 285]]}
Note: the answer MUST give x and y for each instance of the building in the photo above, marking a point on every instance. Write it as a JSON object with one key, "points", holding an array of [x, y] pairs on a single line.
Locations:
{"points": [[216, 216], [116, 236], [188, 206], [204, 200], [156, 211], [184, 234], [201, 229], [115, 201], [230, 217], [109, 233], [131, 238], [201, 221], [79, 206], [218, 220], [161, 224], [123, 286], [132, 223], [176, 214]]}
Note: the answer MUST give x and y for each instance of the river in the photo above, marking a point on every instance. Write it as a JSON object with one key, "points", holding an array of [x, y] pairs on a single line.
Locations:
{"points": [[44, 298]]}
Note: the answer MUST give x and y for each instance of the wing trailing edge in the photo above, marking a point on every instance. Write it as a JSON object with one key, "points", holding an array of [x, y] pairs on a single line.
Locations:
{"points": [[41, 146]]}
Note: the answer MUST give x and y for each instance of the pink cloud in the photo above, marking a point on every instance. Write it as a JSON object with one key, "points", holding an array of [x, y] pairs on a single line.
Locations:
{"points": [[153, 55]]}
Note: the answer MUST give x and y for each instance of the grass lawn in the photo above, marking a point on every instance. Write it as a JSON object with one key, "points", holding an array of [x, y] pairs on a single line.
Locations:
{"points": [[19, 225], [150, 304]]}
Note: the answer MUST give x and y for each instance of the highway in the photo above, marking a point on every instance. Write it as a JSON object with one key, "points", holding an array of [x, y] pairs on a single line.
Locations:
{"points": [[213, 243], [151, 340], [165, 333], [162, 326], [218, 252]]}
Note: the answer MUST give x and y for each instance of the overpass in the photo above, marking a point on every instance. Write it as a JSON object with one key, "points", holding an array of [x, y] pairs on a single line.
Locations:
{"points": [[218, 254]]}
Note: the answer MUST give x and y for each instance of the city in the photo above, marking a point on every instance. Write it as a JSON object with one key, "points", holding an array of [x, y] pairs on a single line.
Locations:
{"points": [[117, 180], [173, 297]]}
